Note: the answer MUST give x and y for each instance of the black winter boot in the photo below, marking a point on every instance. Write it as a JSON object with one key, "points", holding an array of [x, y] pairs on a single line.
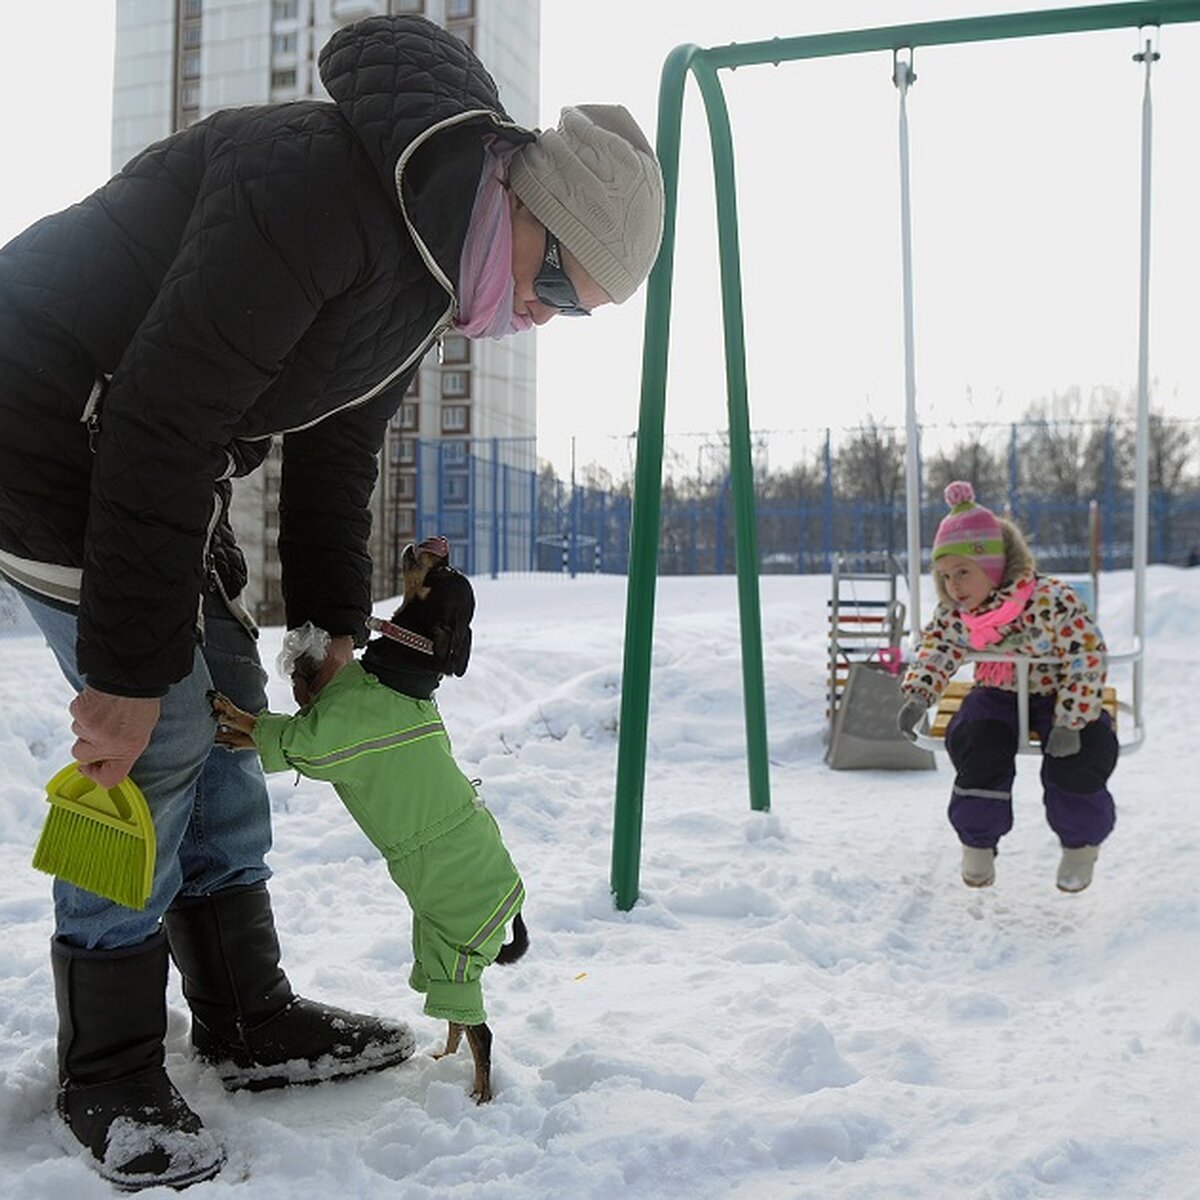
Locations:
{"points": [[246, 1020], [114, 1095]]}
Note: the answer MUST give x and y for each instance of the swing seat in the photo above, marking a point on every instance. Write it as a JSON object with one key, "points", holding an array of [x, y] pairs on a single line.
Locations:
{"points": [[956, 692]]}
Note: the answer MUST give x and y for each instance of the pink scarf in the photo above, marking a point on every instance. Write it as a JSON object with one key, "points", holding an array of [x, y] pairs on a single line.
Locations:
{"points": [[485, 279], [983, 630]]}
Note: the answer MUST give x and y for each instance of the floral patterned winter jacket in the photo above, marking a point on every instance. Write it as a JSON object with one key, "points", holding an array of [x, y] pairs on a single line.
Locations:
{"points": [[1054, 624]]}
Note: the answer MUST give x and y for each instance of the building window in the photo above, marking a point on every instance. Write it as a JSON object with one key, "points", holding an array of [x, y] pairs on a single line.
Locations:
{"points": [[456, 348], [454, 453], [454, 524], [456, 384], [460, 10], [404, 451], [404, 486], [456, 418], [406, 416], [284, 78], [464, 31], [283, 10], [189, 38], [406, 6], [454, 488], [414, 385], [406, 522], [345, 11], [283, 43]]}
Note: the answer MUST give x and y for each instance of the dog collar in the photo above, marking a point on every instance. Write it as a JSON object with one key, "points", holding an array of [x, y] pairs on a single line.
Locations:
{"points": [[404, 636]]}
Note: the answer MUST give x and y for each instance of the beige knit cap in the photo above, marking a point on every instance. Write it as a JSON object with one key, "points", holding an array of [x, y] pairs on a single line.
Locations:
{"points": [[595, 184]]}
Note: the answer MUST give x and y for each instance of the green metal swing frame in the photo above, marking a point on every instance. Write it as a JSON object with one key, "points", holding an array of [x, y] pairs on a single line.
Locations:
{"points": [[704, 64]]}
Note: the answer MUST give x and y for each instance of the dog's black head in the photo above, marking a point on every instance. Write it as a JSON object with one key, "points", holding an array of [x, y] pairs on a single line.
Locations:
{"points": [[439, 603]]}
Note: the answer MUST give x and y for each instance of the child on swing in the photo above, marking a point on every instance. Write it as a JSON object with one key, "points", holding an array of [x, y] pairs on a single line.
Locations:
{"points": [[992, 600]]}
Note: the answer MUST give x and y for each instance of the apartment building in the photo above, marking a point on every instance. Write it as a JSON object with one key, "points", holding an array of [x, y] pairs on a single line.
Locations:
{"points": [[470, 413]]}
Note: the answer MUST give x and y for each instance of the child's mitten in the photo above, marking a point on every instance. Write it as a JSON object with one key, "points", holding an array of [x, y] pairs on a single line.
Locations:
{"points": [[1063, 742], [911, 711]]}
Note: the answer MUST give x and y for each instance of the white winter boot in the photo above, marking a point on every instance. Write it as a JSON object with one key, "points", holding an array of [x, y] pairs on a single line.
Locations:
{"points": [[1075, 869], [978, 866]]}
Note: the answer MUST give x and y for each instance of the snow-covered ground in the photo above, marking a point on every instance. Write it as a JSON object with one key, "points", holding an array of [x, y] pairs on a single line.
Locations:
{"points": [[805, 1003]]}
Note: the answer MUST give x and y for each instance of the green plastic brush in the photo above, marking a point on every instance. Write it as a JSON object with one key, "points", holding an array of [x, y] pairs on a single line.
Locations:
{"points": [[100, 839]]}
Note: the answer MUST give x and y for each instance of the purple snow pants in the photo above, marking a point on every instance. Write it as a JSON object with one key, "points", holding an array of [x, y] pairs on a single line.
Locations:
{"points": [[982, 742]]}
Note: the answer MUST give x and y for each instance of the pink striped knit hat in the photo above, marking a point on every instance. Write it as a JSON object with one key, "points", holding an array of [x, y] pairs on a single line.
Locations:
{"points": [[970, 531]]}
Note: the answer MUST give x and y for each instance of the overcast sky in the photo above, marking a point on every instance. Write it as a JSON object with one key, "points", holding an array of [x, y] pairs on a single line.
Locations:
{"points": [[1025, 205]]}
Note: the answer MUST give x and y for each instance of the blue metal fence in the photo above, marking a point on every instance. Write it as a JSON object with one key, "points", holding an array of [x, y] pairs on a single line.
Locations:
{"points": [[487, 497]]}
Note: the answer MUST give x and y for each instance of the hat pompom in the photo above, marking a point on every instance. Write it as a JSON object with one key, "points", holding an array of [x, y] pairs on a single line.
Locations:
{"points": [[958, 492]]}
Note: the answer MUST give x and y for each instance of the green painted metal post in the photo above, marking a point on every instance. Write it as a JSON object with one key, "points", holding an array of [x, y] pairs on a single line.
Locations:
{"points": [[643, 557], [745, 514], [647, 505]]}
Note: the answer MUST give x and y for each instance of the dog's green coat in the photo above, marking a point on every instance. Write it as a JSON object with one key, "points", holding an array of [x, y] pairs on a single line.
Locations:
{"points": [[388, 757]]}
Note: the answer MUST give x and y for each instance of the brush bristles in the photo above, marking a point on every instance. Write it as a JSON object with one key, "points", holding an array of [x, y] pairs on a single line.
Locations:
{"points": [[93, 856]]}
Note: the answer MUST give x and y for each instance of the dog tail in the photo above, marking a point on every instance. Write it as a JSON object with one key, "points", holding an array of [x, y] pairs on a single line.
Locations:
{"points": [[511, 951]]}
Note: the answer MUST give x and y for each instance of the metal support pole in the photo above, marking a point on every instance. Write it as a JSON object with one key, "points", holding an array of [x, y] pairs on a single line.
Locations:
{"points": [[903, 76], [495, 572], [639, 612], [534, 523], [827, 504], [1148, 56], [642, 577], [1110, 494]]}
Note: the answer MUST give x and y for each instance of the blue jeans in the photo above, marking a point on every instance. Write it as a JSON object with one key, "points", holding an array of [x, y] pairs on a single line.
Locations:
{"points": [[212, 816]]}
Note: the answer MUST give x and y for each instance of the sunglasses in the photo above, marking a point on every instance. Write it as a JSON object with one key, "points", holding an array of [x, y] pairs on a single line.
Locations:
{"points": [[553, 286]]}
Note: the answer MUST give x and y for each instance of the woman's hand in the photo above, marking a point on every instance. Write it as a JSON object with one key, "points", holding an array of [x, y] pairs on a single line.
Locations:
{"points": [[111, 733]]}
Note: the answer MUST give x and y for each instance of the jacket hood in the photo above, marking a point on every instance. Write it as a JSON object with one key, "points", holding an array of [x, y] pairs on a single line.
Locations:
{"points": [[396, 79]]}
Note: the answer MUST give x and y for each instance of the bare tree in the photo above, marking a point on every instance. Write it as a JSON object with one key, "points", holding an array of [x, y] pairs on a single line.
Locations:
{"points": [[1169, 452], [869, 468], [971, 459]]}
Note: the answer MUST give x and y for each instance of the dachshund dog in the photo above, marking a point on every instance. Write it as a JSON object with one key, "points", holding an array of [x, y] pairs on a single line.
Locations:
{"points": [[374, 732]]}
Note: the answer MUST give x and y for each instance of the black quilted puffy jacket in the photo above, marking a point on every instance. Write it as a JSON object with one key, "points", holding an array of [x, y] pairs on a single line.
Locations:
{"points": [[275, 270]]}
